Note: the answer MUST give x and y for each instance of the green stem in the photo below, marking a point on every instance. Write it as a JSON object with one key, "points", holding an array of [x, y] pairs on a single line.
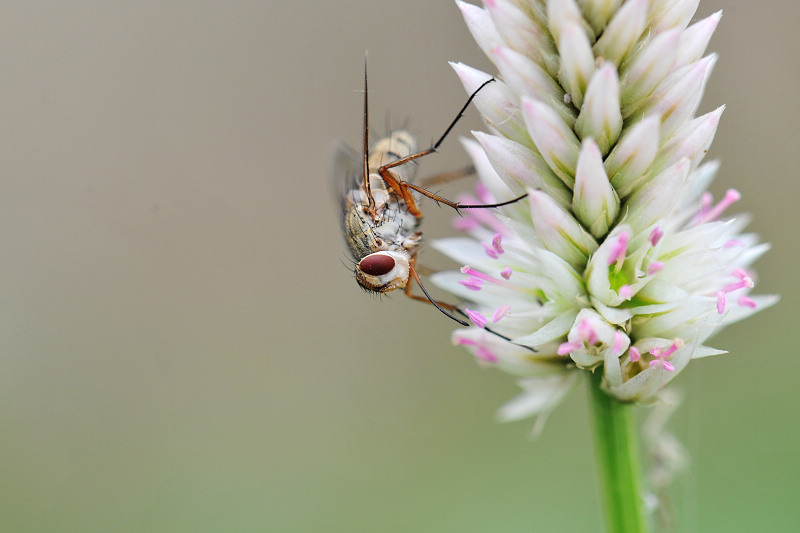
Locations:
{"points": [[616, 443]]}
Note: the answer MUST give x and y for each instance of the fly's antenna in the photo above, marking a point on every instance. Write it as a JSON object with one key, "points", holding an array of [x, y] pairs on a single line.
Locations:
{"points": [[365, 140]]}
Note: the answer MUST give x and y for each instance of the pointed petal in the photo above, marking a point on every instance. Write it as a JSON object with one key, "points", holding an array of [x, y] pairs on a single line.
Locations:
{"points": [[577, 62], [562, 13], [695, 39], [692, 140], [622, 32], [706, 351], [526, 78], [677, 98], [597, 13], [656, 199], [669, 14], [673, 323], [632, 156], [647, 69], [699, 180], [524, 34], [554, 139], [613, 315], [600, 117], [553, 330], [594, 201], [559, 231], [496, 184], [496, 103], [480, 25], [541, 396], [517, 165]]}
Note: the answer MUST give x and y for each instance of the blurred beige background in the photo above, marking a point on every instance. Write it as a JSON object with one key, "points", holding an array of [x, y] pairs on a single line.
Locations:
{"points": [[183, 350]]}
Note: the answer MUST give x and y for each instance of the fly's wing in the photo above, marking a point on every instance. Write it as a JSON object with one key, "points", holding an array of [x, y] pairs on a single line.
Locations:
{"points": [[346, 180], [345, 172]]}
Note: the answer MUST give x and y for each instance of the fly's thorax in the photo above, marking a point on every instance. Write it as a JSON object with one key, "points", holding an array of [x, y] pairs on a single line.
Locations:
{"points": [[381, 194], [395, 229], [397, 223], [384, 271], [397, 145]]}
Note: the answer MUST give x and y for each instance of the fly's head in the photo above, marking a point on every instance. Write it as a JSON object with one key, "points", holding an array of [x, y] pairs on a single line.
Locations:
{"points": [[384, 271]]}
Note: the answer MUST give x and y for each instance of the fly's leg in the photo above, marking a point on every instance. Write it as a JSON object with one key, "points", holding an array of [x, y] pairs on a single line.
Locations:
{"points": [[403, 188], [456, 205], [441, 306], [446, 177]]}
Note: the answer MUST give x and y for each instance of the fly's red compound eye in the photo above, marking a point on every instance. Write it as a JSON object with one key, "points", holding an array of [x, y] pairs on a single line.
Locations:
{"points": [[376, 264]]}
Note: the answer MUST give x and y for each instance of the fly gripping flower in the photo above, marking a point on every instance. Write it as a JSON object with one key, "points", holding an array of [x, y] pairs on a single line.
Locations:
{"points": [[619, 261]]}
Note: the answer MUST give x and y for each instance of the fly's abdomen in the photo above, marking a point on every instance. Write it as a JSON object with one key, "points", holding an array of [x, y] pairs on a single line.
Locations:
{"points": [[397, 145]]}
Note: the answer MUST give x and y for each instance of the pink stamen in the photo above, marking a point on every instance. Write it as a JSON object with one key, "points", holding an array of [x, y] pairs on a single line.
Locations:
{"points": [[568, 347], [654, 267], [706, 199], [666, 365], [490, 251], [746, 302], [619, 341], [476, 318], [466, 269], [497, 242], [746, 282], [465, 342], [619, 250], [635, 354], [483, 216], [655, 236], [485, 354], [586, 332], [472, 283], [506, 272], [720, 302], [740, 273], [731, 196], [465, 223], [663, 364], [661, 355], [656, 352], [481, 351], [676, 343], [626, 292], [500, 312], [483, 193]]}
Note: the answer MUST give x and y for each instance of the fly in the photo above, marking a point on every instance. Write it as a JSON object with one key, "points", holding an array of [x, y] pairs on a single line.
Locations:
{"points": [[381, 217]]}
